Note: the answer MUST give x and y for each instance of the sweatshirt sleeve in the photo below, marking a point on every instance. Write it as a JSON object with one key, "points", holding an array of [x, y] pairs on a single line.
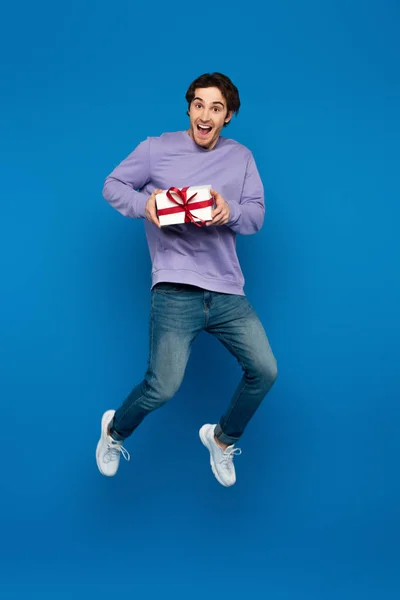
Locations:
{"points": [[122, 185], [247, 216]]}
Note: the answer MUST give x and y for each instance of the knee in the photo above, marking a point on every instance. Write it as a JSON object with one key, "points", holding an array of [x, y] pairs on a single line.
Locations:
{"points": [[158, 392], [267, 372]]}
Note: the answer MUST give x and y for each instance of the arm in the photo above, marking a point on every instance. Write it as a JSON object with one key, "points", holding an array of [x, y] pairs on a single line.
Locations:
{"points": [[247, 217], [132, 174]]}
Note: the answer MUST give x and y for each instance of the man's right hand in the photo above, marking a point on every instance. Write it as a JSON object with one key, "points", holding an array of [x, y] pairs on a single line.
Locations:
{"points": [[151, 208]]}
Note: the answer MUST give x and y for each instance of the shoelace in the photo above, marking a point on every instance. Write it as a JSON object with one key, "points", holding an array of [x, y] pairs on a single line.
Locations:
{"points": [[228, 455], [113, 452]]}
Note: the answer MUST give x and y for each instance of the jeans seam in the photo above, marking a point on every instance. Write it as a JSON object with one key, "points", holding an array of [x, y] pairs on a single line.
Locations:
{"points": [[150, 357], [244, 384]]}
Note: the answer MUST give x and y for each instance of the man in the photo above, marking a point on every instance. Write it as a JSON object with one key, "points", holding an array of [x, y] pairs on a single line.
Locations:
{"points": [[197, 282]]}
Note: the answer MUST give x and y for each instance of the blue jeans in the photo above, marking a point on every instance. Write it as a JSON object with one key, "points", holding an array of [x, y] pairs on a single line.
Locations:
{"points": [[178, 314]]}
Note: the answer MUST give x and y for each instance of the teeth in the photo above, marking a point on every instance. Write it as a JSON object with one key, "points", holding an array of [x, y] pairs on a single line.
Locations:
{"points": [[204, 127]]}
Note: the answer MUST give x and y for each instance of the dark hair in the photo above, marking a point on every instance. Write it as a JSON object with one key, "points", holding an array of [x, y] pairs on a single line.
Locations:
{"points": [[220, 81]]}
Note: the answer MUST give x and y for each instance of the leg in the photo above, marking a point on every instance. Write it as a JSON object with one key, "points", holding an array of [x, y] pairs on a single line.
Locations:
{"points": [[176, 319], [234, 322]]}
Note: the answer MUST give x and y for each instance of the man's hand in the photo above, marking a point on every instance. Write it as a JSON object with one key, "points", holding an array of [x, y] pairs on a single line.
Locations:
{"points": [[151, 208], [221, 213]]}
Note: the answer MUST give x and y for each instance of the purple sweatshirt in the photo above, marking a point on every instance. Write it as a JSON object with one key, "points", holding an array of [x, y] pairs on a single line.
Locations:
{"points": [[201, 256]]}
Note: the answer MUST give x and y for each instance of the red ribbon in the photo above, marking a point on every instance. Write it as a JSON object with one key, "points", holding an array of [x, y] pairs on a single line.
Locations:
{"points": [[184, 206]]}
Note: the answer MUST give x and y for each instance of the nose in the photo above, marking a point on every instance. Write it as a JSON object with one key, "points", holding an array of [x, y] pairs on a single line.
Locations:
{"points": [[205, 115]]}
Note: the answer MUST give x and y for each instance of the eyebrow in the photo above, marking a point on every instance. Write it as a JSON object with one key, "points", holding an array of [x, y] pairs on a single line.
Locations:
{"points": [[201, 100]]}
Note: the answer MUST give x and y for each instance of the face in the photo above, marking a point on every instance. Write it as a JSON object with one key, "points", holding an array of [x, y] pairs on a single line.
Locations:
{"points": [[208, 113]]}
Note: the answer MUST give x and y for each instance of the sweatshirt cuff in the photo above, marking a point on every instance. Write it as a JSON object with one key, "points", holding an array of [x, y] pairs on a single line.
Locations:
{"points": [[141, 201], [234, 213]]}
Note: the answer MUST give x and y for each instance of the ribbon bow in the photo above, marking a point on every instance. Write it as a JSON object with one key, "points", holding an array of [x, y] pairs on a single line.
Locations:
{"points": [[184, 205]]}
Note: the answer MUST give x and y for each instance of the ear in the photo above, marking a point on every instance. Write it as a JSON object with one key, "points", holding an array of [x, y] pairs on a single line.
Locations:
{"points": [[229, 116]]}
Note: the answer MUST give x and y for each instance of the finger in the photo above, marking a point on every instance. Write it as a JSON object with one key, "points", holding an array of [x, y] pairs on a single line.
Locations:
{"points": [[154, 194], [153, 208], [215, 195], [220, 219], [220, 210], [215, 213], [215, 221], [152, 217], [156, 220]]}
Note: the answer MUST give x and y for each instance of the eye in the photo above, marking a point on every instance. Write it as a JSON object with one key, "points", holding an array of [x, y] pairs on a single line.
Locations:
{"points": [[216, 109]]}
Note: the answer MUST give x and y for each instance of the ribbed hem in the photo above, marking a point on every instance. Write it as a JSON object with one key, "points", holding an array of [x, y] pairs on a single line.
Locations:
{"points": [[198, 280]]}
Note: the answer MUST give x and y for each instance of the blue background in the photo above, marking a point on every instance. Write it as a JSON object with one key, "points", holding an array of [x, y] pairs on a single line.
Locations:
{"points": [[315, 512]]}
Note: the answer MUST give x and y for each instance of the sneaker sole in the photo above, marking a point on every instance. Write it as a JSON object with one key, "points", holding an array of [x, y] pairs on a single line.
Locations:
{"points": [[212, 463], [98, 446]]}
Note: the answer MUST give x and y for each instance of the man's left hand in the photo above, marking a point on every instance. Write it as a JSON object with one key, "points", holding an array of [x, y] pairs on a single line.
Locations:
{"points": [[221, 213]]}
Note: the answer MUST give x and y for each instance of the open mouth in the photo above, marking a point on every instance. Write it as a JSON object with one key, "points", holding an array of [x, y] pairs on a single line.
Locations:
{"points": [[203, 130]]}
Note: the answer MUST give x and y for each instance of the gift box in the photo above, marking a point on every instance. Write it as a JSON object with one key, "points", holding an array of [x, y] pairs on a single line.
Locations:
{"points": [[184, 205]]}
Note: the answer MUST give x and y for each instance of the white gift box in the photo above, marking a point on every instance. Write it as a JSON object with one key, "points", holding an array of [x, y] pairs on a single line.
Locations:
{"points": [[179, 215]]}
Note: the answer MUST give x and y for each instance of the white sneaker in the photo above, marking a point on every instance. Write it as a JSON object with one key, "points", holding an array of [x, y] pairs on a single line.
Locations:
{"points": [[221, 460], [108, 451]]}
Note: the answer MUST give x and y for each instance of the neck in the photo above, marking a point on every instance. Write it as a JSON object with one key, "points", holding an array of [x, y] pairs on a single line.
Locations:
{"points": [[189, 132]]}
